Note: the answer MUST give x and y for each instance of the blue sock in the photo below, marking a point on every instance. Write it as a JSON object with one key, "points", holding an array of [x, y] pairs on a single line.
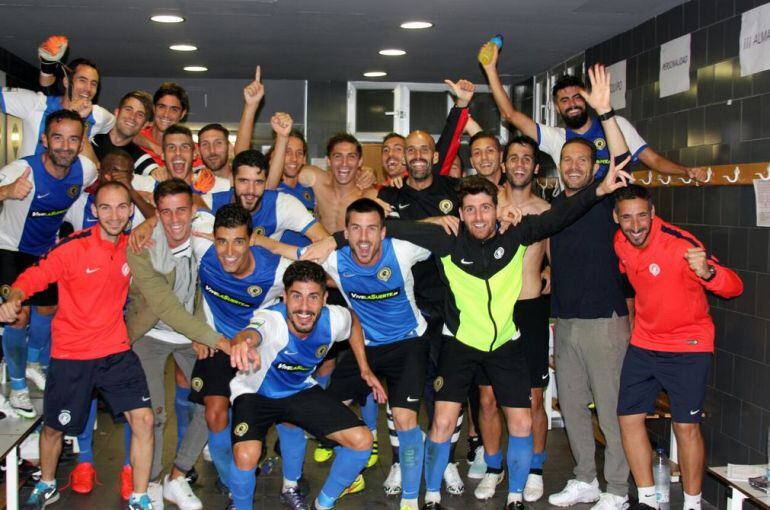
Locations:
{"points": [[323, 380], [519, 457], [15, 350], [293, 447], [411, 456], [241, 486], [369, 412], [345, 468], [39, 349], [126, 445], [221, 451], [538, 459], [494, 461], [183, 409], [436, 459], [86, 438]]}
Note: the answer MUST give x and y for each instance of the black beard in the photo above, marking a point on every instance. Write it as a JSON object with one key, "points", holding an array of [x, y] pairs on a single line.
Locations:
{"points": [[575, 122], [526, 184]]}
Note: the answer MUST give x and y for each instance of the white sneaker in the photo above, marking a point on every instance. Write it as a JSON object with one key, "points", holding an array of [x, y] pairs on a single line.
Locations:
{"points": [[392, 483], [6, 409], [155, 491], [30, 448], [576, 492], [178, 491], [21, 403], [609, 501], [487, 486], [35, 374], [452, 481], [478, 468], [533, 490], [207, 453]]}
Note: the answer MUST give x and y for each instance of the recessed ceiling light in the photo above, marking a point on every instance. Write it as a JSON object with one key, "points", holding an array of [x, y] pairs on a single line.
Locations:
{"points": [[416, 25], [183, 47], [167, 18], [196, 69], [392, 53], [375, 74]]}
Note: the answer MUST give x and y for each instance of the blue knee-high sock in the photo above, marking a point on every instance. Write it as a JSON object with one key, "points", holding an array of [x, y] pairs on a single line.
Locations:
{"points": [[322, 380], [86, 438], [411, 456], [538, 459], [494, 462], [15, 350], [293, 447], [183, 409], [345, 468], [221, 450], [369, 412], [241, 486], [126, 445], [519, 458], [39, 350], [436, 459]]}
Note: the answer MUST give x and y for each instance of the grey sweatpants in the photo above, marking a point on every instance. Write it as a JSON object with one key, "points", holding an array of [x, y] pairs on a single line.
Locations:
{"points": [[153, 355], [589, 355]]}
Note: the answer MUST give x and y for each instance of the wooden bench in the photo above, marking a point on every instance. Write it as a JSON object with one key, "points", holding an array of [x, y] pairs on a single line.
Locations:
{"points": [[738, 492]]}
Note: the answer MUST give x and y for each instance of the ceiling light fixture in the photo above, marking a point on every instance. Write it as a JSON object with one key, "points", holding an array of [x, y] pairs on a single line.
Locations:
{"points": [[167, 18], [196, 69], [392, 52], [183, 47], [375, 74], [416, 25]]}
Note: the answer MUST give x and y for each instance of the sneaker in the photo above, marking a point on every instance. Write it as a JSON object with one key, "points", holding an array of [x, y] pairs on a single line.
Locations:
{"points": [[374, 456], [452, 481], [609, 501], [42, 496], [143, 503], [126, 482], [82, 478], [191, 476], [576, 492], [322, 454], [354, 488], [473, 449], [515, 505], [178, 491], [155, 492], [292, 498], [479, 468], [392, 483], [533, 490], [207, 453], [432, 505], [6, 411], [35, 374], [21, 403], [488, 485]]}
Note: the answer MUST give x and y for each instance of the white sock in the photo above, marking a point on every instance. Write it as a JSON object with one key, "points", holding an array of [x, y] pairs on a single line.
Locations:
{"points": [[513, 496], [374, 434], [288, 484], [647, 496], [411, 504], [51, 483], [137, 495], [432, 497], [692, 502], [318, 506]]}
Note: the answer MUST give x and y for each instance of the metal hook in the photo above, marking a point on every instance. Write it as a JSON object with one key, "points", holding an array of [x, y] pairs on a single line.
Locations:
{"points": [[686, 181], [665, 181], [735, 177], [709, 173], [649, 179], [763, 177]]}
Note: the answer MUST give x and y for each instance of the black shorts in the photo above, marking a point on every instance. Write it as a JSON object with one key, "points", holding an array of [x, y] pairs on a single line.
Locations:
{"points": [[504, 368], [401, 365], [531, 317], [682, 374], [211, 378], [119, 379], [312, 410], [12, 264]]}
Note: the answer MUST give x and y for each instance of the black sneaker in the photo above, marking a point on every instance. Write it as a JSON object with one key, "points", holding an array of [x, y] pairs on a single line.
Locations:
{"points": [[515, 505], [473, 443], [293, 499]]}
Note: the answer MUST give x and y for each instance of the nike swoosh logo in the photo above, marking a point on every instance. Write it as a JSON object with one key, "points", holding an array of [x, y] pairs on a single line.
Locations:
{"points": [[145, 399], [693, 413], [544, 377], [89, 270], [410, 399], [466, 262], [43, 196], [403, 206]]}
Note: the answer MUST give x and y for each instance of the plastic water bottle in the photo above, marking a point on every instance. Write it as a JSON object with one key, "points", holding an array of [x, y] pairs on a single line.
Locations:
{"points": [[661, 473], [487, 51]]}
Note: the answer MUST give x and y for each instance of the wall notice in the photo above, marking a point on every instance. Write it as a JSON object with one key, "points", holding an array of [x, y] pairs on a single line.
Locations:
{"points": [[755, 40], [762, 198], [675, 66], [618, 84]]}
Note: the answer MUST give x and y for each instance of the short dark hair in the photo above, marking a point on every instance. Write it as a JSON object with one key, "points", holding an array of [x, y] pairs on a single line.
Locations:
{"points": [[176, 129], [111, 184], [60, 115], [77, 62], [117, 152], [296, 133], [364, 205], [214, 127], [304, 271], [486, 134], [632, 192], [523, 140], [567, 80], [475, 184], [233, 216], [249, 157], [143, 97], [343, 138], [173, 186], [585, 143], [170, 88], [393, 135]]}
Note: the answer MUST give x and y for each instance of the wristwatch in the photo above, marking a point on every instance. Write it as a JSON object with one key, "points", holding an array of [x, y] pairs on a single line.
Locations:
{"points": [[712, 274]]}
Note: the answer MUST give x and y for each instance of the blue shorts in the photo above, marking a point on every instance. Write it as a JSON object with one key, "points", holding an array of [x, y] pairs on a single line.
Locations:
{"points": [[682, 375]]}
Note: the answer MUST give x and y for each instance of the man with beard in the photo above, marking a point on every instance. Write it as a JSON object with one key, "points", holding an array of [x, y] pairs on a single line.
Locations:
{"points": [[36, 192], [179, 155], [572, 109], [393, 156], [214, 147], [672, 342]]}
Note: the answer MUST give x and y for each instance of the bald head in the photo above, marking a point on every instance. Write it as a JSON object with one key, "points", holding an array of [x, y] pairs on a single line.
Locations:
{"points": [[420, 155]]}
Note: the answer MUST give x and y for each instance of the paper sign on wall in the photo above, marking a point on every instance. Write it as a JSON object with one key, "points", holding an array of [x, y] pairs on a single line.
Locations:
{"points": [[675, 66], [754, 40], [762, 197], [618, 84]]}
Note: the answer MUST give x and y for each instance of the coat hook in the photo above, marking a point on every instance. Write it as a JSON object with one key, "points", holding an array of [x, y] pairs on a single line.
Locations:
{"points": [[686, 181], [649, 179], [665, 181], [735, 177], [764, 177], [709, 173]]}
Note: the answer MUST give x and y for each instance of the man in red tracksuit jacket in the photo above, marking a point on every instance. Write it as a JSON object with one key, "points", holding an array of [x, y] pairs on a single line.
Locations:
{"points": [[89, 348], [672, 341]]}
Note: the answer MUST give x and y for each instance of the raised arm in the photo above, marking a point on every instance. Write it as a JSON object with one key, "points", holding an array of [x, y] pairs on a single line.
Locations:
{"points": [[50, 52], [599, 100], [281, 124], [449, 141], [252, 97], [655, 161]]}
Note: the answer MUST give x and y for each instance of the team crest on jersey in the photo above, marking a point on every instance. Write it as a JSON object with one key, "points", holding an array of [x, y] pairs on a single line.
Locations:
{"points": [[241, 429], [4, 291], [384, 274], [73, 190], [600, 143], [498, 254], [321, 351], [306, 195], [654, 269], [259, 231], [438, 383], [65, 417], [196, 383], [445, 206], [254, 290]]}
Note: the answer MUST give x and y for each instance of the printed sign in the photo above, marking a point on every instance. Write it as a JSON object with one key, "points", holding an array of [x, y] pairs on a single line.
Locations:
{"points": [[675, 66], [618, 85], [755, 40]]}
